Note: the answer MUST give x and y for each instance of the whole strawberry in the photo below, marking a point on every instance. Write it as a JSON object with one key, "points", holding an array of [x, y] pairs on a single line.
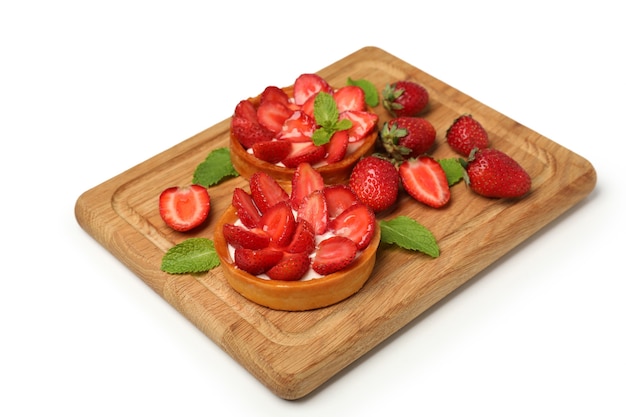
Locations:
{"points": [[405, 98], [407, 137], [493, 173], [465, 134], [375, 182]]}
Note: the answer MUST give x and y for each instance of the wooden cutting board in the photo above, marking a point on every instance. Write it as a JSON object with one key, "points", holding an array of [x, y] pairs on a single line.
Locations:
{"points": [[293, 353]]}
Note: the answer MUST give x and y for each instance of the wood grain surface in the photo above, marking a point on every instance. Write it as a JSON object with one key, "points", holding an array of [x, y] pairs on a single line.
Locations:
{"points": [[293, 353]]}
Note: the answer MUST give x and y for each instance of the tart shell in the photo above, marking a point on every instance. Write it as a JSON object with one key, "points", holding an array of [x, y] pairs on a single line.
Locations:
{"points": [[295, 295]]}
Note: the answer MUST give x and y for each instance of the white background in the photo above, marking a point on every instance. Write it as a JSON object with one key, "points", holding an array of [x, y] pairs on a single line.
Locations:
{"points": [[90, 89]]}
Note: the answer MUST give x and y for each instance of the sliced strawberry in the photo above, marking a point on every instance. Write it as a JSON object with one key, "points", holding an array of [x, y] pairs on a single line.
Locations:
{"points": [[246, 109], [308, 107], [425, 180], [291, 267], [273, 93], [307, 85], [247, 210], [357, 223], [242, 237], [279, 223], [257, 261], [363, 123], [272, 151], [184, 208], [338, 198], [249, 132], [350, 97], [309, 153], [334, 254], [299, 127], [265, 191], [337, 147], [272, 115], [303, 239], [314, 210], [304, 181]]}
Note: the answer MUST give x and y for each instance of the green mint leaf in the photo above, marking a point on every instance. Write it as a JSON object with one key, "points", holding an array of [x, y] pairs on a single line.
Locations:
{"points": [[193, 255], [325, 110], [322, 136], [454, 170], [214, 168], [371, 93], [343, 124], [409, 234]]}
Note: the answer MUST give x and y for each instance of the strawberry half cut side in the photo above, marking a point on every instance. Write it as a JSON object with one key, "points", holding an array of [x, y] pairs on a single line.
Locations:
{"points": [[425, 180], [357, 223], [334, 254], [184, 208]]}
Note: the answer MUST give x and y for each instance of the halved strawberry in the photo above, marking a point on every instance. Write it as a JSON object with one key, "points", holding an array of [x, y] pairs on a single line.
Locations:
{"points": [[303, 239], [338, 198], [363, 123], [334, 254], [279, 223], [273, 93], [299, 127], [184, 208], [291, 267], [350, 97], [337, 147], [249, 132], [272, 115], [314, 210], [247, 210], [308, 153], [257, 261], [357, 223], [307, 85], [425, 180], [242, 237], [272, 151], [265, 191], [304, 181]]}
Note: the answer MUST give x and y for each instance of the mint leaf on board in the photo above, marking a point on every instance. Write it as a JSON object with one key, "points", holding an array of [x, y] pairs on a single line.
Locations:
{"points": [[409, 234], [327, 118], [371, 93], [214, 168], [193, 255], [454, 170]]}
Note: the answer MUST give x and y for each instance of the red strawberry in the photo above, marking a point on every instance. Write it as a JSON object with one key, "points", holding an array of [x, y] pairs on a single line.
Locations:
{"points": [[338, 198], [350, 97], [247, 210], [273, 93], [405, 98], [272, 115], [299, 127], [314, 210], [465, 134], [307, 85], [357, 223], [291, 267], [246, 109], [493, 173], [375, 182], [303, 239], [241, 237], [337, 147], [407, 137], [249, 132], [308, 107], [334, 254], [279, 223], [304, 181], [425, 180], [184, 208], [272, 151], [363, 123], [257, 261], [308, 153], [265, 191]]}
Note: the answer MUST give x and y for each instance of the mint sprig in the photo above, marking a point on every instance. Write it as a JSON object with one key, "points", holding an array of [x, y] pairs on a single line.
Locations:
{"points": [[409, 234], [327, 118], [214, 168], [454, 170], [371, 93], [193, 255]]}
